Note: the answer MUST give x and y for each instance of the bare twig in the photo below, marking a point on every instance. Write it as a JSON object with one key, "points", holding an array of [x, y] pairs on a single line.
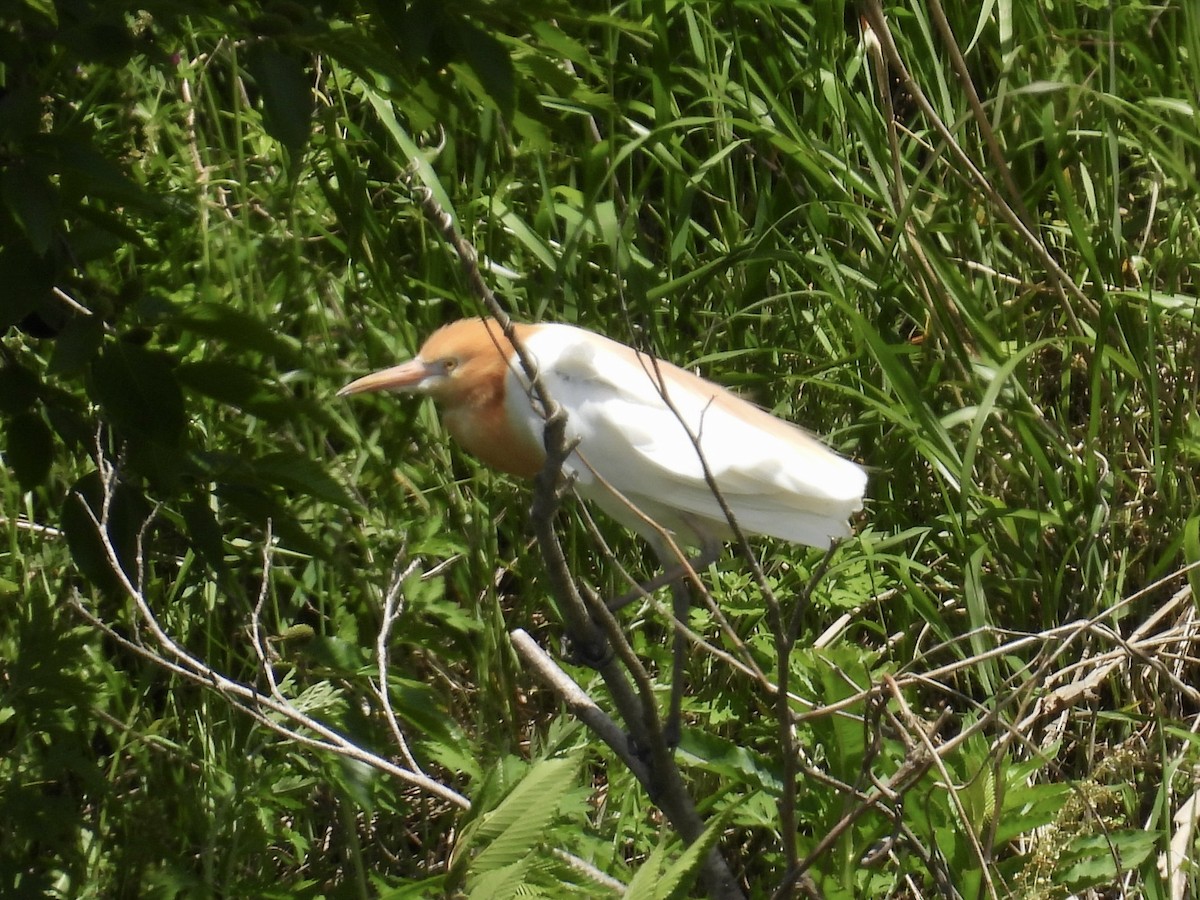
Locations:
{"points": [[931, 754], [22, 524], [590, 624], [274, 711], [578, 702], [391, 612]]}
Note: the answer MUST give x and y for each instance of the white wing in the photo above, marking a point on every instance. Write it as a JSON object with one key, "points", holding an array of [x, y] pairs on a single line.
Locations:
{"points": [[776, 478]]}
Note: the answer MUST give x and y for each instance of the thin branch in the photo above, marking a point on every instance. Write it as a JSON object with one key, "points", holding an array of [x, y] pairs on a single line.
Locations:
{"points": [[931, 754], [268, 710], [391, 612], [577, 701], [22, 524], [590, 625]]}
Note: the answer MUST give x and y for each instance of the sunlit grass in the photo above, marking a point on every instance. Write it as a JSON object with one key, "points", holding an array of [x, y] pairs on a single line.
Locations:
{"points": [[727, 187]]}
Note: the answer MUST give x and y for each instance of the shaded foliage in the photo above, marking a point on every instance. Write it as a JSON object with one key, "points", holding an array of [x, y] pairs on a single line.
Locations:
{"points": [[205, 230]]}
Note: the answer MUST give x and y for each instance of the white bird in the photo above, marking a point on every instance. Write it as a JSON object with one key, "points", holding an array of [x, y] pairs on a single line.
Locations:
{"points": [[634, 418]]}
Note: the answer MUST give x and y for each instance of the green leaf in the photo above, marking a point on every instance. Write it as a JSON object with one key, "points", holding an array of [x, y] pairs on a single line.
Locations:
{"points": [[236, 386], [237, 329], [413, 29], [300, 473], [29, 449], [838, 668], [336, 654], [44, 8], [204, 531], [88, 173], [489, 60], [259, 507], [416, 702], [301, 632], [657, 879], [128, 512], [414, 156], [565, 47], [138, 392], [33, 202], [27, 278], [287, 96], [515, 827], [67, 417], [1093, 860], [501, 883], [18, 389], [1191, 550], [76, 345], [1027, 807], [434, 886], [20, 112], [729, 759]]}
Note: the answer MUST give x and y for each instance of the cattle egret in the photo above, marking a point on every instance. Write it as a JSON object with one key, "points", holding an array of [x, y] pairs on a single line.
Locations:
{"points": [[638, 422], [635, 448]]}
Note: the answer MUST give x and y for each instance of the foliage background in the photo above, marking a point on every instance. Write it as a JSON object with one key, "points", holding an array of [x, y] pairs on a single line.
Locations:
{"points": [[205, 230]]}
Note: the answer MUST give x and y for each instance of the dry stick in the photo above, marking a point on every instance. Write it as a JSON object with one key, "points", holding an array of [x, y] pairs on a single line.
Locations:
{"points": [[578, 702], [686, 569], [252, 703], [780, 631], [914, 726], [784, 644], [1063, 281], [580, 624], [256, 637], [747, 666], [1066, 634], [391, 612], [247, 699], [665, 782], [785, 634], [793, 631], [640, 590], [22, 524], [909, 773], [588, 870], [921, 757], [1038, 677]]}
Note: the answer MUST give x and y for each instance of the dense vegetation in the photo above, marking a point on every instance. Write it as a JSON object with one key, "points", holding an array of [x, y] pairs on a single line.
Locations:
{"points": [[965, 250]]}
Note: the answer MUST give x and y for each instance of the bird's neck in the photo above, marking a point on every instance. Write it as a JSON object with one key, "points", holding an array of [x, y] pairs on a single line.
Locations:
{"points": [[480, 420]]}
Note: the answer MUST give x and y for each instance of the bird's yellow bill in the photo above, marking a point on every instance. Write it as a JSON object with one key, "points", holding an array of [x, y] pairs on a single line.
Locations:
{"points": [[404, 377]]}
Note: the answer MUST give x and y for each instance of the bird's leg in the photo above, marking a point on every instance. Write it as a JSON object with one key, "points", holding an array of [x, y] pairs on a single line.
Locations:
{"points": [[681, 603]]}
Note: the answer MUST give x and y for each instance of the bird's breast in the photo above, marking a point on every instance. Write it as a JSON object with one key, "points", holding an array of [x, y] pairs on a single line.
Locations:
{"points": [[494, 430]]}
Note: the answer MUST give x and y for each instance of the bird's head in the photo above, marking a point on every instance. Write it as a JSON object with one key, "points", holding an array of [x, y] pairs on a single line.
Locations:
{"points": [[457, 361]]}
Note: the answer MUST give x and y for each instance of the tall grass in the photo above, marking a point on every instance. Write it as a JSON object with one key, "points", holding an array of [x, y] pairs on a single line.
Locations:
{"points": [[993, 309]]}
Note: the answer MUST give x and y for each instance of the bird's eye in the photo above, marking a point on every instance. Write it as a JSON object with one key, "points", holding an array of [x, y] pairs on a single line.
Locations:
{"points": [[448, 365]]}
